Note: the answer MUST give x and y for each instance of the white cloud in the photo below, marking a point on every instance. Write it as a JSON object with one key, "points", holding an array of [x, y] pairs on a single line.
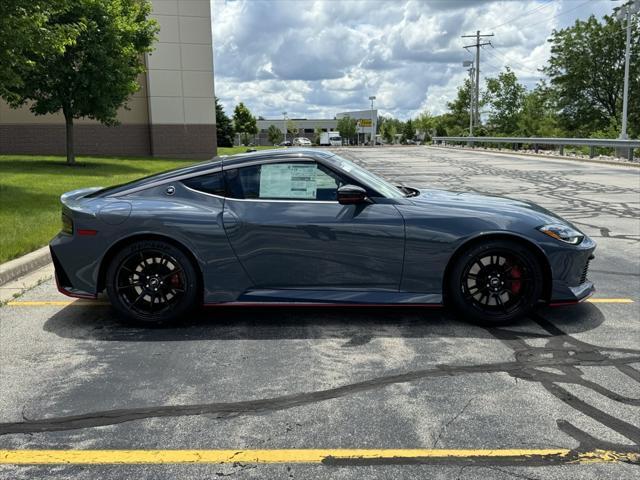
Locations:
{"points": [[316, 58]]}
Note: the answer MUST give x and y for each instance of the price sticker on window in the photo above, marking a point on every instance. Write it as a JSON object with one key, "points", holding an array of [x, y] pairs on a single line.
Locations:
{"points": [[296, 181]]}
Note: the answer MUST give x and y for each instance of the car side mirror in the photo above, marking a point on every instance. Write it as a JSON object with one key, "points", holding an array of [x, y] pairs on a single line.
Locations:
{"points": [[351, 195]]}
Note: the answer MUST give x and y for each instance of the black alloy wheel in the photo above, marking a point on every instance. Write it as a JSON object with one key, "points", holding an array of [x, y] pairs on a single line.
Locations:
{"points": [[152, 282], [496, 282]]}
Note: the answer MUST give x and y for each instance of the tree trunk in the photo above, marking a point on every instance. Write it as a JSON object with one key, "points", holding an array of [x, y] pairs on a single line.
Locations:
{"points": [[71, 156]]}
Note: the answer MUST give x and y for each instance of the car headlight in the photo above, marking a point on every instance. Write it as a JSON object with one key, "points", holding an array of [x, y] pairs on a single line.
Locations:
{"points": [[564, 233]]}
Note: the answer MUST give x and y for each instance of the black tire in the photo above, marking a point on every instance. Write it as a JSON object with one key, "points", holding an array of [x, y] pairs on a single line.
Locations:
{"points": [[152, 283], [495, 283]]}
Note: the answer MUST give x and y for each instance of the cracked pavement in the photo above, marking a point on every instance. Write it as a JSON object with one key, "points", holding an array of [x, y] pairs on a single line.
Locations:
{"points": [[71, 377]]}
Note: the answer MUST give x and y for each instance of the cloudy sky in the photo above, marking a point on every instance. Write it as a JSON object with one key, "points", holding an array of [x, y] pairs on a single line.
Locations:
{"points": [[316, 58]]}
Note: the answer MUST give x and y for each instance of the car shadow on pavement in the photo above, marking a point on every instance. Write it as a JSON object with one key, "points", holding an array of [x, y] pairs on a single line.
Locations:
{"points": [[355, 326]]}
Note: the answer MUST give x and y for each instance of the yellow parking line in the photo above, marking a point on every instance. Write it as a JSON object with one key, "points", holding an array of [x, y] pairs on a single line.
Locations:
{"points": [[97, 303], [610, 300], [56, 303], [30, 457]]}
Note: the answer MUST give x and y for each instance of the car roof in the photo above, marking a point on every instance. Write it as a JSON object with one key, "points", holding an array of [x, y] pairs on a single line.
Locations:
{"points": [[238, 159]]}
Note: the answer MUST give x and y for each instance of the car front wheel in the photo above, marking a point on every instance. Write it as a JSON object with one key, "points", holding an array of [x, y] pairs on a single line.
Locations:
{"points": [[152, 283], [495, 283]]}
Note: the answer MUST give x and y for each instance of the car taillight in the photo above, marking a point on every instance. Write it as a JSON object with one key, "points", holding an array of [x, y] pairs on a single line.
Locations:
{"points": [[67, 224]]}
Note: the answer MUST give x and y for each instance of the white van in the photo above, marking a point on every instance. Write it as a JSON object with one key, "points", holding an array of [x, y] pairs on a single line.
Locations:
{"points": [[332, 139]]}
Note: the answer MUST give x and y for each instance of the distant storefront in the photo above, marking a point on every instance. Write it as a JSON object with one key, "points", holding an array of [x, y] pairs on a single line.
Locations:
{"points": [[306, 127]]}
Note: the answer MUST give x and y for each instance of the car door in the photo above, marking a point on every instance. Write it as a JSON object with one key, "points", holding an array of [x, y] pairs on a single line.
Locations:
{"points": [[288, 230]]}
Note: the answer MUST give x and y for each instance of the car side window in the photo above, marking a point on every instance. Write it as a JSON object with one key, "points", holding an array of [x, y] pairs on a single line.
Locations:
{"points": [[212, 183], [284, 181]]}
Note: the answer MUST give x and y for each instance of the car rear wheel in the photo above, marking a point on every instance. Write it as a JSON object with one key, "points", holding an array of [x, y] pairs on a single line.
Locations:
{"points": [[496, 283], [152, 283]]}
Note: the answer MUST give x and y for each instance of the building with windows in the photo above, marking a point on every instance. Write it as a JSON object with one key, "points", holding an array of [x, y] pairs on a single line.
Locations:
{"points": [[304, 127], [367, 123], [172, 115]]}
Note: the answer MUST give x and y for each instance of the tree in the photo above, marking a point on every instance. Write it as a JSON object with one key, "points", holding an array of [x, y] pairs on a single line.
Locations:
{"points": [[457, 120], [586, 73], [424, 124], [538, 117], [27, 36], [224, 127], [292, 129], [347, 127], [388, 132], [95, 75], [317, 133], [408, 131], [274, 134], [244, 123], [505, 96]]}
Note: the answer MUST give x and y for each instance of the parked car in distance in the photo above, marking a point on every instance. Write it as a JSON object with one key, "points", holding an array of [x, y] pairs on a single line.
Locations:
{"points": [[286, 143], [307, 227], [330, 139], [301, 142]]}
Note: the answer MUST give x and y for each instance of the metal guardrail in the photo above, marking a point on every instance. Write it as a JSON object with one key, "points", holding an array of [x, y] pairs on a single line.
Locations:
{"points": [[627, 145]]}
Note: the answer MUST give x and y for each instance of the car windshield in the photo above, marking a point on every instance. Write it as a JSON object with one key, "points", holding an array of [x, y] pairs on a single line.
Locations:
{"points": [[383, 187]]}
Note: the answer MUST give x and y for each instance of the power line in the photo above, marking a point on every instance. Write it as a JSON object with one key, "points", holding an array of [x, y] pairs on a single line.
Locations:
{"points": [[517, 63], [500, 66], [559, 14], [524, 14]]}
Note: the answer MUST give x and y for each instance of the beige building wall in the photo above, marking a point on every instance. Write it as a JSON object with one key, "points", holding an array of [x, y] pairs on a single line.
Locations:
{"points": [[180, 80], [173, 113]]}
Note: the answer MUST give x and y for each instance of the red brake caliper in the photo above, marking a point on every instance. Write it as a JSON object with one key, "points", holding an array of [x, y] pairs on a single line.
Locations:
{"points": [[175, 280], [515, 282]]}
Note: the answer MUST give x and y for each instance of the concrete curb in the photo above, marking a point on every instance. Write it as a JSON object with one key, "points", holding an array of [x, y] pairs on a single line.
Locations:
{"points": [[24, 265], [12, 290], [537, 155]]}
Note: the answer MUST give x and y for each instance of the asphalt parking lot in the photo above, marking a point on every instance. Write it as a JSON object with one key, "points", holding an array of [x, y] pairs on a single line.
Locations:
{"points": [[556, 396]]}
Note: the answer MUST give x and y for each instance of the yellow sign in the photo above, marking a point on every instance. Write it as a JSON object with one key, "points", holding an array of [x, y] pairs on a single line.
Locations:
{"points": [[364, 122]]}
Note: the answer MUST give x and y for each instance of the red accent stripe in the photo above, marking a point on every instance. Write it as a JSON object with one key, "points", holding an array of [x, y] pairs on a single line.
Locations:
{"points": [[329, 305], [87, 232], [66, 292], [564, 304], [570, 302]]}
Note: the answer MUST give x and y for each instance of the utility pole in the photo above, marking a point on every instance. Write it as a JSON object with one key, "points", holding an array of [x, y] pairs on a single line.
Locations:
{"points": [[477, 36], [373, 130], [284, 118], [625, 13]]}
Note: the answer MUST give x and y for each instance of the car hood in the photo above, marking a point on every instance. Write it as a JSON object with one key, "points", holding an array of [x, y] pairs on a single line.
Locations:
{"points": [[488, 204]]}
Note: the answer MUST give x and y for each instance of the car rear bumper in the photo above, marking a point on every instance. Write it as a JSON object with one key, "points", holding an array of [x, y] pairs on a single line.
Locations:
{"points": [[73, 282]]}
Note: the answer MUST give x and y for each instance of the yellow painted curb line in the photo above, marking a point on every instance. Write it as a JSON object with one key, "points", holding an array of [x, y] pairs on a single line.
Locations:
{"points": [[30, 457]]}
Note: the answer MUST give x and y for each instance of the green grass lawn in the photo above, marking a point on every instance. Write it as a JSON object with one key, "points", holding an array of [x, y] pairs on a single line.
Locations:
{"points": [[30, 189]]}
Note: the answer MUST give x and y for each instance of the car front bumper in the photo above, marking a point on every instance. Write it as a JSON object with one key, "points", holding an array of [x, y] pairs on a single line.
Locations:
{"points": [[569, 270]]}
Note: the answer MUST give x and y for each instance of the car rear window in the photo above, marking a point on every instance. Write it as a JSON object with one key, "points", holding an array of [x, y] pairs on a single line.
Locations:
{"points": [[212, 183]]}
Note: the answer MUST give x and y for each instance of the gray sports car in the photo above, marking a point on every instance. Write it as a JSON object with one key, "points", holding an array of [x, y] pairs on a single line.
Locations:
{"points": [[309, 228]]}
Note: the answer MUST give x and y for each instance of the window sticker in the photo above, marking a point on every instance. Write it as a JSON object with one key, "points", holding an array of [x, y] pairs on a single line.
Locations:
{"points": [[288, 181]]}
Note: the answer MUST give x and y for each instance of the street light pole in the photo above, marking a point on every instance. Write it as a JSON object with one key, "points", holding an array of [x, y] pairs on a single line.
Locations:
{"points": [[284, 116], [469, 63], [373, 130], [625, 95]]}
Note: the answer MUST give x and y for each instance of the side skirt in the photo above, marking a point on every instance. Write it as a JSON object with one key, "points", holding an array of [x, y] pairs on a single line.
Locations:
{"points": [[333, 298]]}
